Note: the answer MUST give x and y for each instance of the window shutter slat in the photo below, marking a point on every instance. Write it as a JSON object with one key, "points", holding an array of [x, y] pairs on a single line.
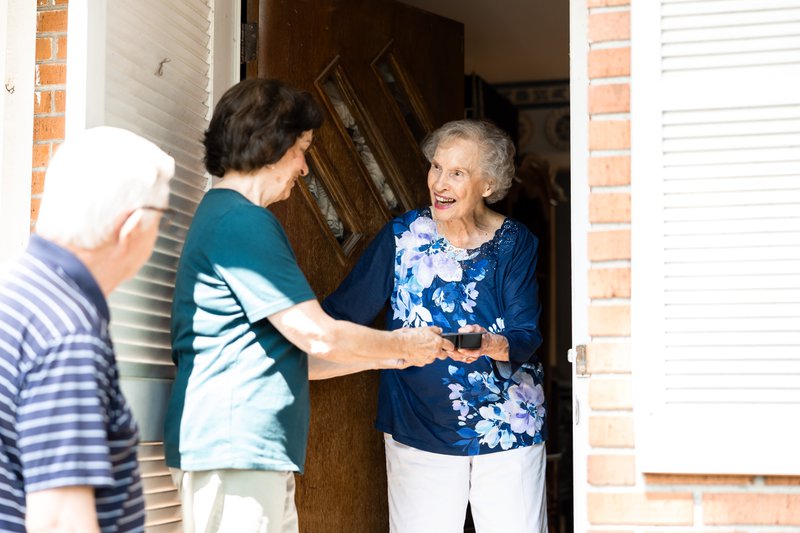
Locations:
{"points": [[152, 77]]}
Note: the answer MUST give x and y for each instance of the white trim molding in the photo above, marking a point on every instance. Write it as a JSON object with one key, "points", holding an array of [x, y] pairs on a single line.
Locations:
{"points": [[17, 72], [579, 210]]}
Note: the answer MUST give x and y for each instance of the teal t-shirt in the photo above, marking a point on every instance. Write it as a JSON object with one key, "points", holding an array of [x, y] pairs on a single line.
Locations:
{"points": [[240, 397]]}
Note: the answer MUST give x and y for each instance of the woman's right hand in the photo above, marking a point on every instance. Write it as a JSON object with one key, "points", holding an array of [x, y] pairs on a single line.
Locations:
{"points": [[423, 345]]}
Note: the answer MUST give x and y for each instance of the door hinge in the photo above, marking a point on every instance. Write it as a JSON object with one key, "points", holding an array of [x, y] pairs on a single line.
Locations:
{"points": [[577, 356], [249, 48]]}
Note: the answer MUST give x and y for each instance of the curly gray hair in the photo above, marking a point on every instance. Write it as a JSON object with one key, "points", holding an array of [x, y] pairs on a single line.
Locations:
{"points": [[497, 151]]}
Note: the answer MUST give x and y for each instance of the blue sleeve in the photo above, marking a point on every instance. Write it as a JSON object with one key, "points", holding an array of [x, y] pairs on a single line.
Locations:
{"points": [[364, 292], [521, 301]]}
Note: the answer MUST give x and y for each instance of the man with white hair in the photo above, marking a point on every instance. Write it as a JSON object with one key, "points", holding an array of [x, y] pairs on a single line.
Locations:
{"points": [[67, 437]]}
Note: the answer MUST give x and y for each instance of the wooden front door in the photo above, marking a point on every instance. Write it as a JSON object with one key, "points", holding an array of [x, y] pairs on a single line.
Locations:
{"points": [[386, 74]]}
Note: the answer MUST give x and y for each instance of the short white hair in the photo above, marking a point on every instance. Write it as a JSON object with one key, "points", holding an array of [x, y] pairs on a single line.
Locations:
{"points": [[95, 177]]}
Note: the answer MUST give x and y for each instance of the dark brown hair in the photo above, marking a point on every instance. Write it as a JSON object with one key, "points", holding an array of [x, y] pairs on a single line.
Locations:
{"points": [[255, 122]]}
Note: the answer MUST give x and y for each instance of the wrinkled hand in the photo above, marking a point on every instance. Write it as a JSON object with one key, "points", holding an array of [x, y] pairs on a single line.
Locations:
{"points": [[423, 345], [494, 346]]}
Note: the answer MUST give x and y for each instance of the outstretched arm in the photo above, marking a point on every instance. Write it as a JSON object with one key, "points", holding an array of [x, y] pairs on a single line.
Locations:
{"points": [[344, 347]]}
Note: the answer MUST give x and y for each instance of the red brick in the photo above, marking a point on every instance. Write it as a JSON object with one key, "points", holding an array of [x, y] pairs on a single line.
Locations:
{"points": [[52, 74], [611, 26], [41, 155], [610, 207], [782, 480], [609, 171], [608, 358], [661, 530], [44, 48], [605, 3], [693, 479], [751, 508], [610, 320], [609, 134], [51, 21], [35, 204], [609, 62], [657, 508], [609, 245], [37, 182], [62, 2], [611, 431], [48, 128], [42, 102], [61, 48], [609, 283], [619, 470], [611, 394], [612, 98], [61, 101]]}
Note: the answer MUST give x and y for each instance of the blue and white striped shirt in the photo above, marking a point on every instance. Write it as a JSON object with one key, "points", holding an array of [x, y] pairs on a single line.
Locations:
{"points": [[63, 419]]}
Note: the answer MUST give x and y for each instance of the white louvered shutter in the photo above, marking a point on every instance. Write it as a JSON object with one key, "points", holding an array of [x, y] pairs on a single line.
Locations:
{"points": [[715, 117], [147, 70]]}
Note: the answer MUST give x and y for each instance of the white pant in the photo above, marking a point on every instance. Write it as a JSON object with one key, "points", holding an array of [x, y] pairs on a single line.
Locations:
{"points": [[237, 501], [428, 492]]}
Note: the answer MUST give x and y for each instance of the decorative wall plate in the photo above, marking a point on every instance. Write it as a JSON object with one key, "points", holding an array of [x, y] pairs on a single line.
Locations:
{"points": [[556, 128]]}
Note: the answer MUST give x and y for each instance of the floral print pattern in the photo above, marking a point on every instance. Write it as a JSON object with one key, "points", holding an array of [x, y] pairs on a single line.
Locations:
{"points": [[438, 284], [492, 411]]}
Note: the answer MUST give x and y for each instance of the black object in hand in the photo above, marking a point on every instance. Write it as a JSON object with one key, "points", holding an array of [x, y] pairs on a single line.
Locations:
{"points": [[468, 341]]}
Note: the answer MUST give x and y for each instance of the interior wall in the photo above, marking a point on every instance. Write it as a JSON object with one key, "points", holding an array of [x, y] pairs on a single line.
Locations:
{"points": [[509, 41]]}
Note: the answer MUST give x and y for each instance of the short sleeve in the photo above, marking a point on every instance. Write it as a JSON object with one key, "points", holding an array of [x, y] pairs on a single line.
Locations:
{"points": [[364, 292], [253, 256], [63, 414], [521, 300]]}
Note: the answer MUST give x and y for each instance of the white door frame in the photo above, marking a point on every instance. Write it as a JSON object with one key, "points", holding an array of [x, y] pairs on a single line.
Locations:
{"points": [[17, 74], [579, 210]]}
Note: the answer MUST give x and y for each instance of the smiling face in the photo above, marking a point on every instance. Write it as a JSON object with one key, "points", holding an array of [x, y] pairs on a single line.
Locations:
{"points": [[292, 165], [455, 180]]}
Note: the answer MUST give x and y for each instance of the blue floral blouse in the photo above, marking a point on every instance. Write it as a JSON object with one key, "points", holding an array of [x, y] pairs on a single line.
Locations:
{"points": [[451, 407]]}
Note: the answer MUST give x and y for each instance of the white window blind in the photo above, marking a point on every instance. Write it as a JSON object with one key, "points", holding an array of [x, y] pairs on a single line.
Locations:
{"points": [[715, 115], [146, 66]]}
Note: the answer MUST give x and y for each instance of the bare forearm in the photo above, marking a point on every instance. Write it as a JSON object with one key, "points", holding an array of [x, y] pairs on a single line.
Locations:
{"points": [[324, 369], [61, 510], [308, 327], [349, 342]]}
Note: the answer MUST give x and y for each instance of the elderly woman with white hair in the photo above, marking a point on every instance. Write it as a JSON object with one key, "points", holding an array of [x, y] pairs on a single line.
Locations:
{"points": [[469, 428]]}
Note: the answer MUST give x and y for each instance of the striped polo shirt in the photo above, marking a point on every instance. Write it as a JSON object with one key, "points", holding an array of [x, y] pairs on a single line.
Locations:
{"points": [[63, 419]]}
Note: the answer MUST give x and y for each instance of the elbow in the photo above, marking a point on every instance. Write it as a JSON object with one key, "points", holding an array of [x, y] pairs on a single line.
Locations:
{"points": [[320, 349], [325, 345], [331, 344]]}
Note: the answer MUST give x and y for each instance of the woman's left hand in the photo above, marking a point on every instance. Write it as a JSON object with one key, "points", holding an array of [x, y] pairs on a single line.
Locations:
{"points": [[492, 345]]}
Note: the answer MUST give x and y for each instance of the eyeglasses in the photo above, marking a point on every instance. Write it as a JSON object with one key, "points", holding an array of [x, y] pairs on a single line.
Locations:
{"points": [[167, 213]]}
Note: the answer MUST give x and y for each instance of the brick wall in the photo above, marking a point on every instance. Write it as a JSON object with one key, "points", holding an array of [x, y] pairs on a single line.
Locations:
{"points": [[50, 93], [621, 499]]}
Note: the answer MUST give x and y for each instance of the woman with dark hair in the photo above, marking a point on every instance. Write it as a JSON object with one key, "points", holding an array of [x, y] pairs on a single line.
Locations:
{"points": [[243, 315], [469, 429]]}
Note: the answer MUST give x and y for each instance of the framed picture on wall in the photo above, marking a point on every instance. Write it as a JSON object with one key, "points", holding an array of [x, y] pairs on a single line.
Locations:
{"points": [[543, 117]]}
